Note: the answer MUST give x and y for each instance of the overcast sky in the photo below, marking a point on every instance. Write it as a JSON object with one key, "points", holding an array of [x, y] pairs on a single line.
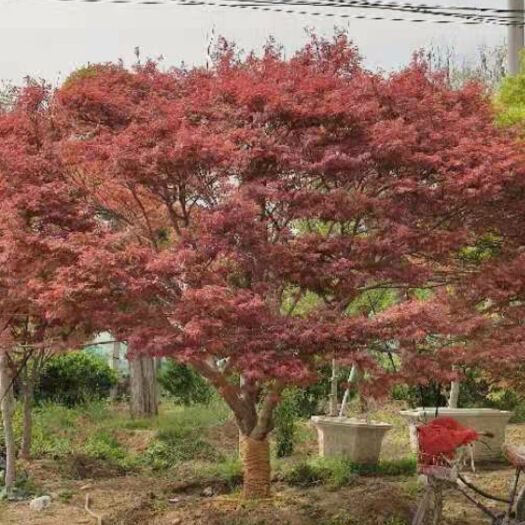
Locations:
{"points": [[49, 38]]}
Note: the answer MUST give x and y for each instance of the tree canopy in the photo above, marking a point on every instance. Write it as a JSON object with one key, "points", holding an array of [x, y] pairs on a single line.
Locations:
{"points": [[240, 218]]}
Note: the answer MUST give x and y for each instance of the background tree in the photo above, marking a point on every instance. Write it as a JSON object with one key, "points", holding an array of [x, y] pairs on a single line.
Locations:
{"points": [[39, 214], [235, 194]]}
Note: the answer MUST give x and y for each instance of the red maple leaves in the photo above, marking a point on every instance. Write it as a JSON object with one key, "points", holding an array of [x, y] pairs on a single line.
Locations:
{"points": [[232, 217]]}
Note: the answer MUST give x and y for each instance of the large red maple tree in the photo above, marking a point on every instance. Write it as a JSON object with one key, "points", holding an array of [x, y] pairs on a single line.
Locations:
{"points": [[241, 196]]}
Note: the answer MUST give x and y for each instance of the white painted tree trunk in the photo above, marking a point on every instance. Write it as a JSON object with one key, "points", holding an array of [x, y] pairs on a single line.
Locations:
{"points": [[7, 406], [115, 365], [29, 380], [453, 399], [353, 378], [143, 386], [158, 366], [333, 390]]}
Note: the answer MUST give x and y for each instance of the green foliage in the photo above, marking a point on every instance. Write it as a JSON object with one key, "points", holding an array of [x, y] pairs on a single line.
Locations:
{"points": [[228, 470], [75, 378], [184, 385], [54, 429], [421, 395], [475, 392], [25, 488], [396, 520], [285, 417], [510, 99], [89, 71], [179, 437], [66, 495], [340, 472], [170, 448], [305, 474], [104, 445], [486, 247], [373, 302], [307, 302], [97, 431]]}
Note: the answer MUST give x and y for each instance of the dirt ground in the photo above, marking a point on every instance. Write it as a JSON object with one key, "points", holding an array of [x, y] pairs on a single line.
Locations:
{"points": [[136, 499]]}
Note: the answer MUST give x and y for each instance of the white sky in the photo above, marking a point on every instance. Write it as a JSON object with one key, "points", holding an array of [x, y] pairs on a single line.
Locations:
{"points": [[49, 39]]}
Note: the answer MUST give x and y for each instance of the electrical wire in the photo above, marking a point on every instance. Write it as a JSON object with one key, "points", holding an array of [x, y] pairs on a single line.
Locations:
{"points": [[286, 7], [445, 11], [396, 5]]}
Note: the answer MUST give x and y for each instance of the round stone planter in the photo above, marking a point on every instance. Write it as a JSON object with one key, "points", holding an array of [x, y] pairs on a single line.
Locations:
{"points": [[480, 419], [358, 440]]}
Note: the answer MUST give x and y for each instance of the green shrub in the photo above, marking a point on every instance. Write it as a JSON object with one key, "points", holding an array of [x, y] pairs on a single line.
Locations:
{"points": [[475, 392], [420, 396], [285, 417], [75, 378], [184, 385], [103, 445]]}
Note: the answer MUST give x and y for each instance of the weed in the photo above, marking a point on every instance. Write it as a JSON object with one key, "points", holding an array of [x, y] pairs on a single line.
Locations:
{"points": [[65, 495], [396, 520], [341, 518], [340, 472], [228, 471], [103, 445]]}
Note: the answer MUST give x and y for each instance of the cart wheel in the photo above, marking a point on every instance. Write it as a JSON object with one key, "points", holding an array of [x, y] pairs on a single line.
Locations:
{"points": [[430, 508]]}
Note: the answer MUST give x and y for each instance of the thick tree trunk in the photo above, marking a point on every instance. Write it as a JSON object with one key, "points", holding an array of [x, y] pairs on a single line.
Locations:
{"points": [[254, 419], [7, 406], [255, 456], [27, 428], [143, 399]]}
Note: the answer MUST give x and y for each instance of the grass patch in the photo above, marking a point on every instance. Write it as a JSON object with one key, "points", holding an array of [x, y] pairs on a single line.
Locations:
{"points": [[104, 432], [518, 413], [180, 438], [340, 472], [228, 471]]}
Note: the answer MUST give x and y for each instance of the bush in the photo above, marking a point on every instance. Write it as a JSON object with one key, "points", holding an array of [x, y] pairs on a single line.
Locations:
{"points": [[75, 378], [285, 424], [184, 385], [475, 392]]}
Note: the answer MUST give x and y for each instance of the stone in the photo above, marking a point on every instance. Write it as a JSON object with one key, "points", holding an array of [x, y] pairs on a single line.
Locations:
{"points": [[208, 492], [481, 419], [41, 503], [358, 440], [176, 521]]}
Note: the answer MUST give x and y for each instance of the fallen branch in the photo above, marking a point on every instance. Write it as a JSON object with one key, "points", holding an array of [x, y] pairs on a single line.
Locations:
{"points": [[90, 512]]}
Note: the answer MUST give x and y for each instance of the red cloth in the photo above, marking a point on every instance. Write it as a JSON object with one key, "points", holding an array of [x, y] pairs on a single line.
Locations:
{"points": [[441, 438]]}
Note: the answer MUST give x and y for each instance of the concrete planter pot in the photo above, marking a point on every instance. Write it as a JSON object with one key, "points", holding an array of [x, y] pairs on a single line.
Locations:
{"points": [[358, 440], [480, 419]]}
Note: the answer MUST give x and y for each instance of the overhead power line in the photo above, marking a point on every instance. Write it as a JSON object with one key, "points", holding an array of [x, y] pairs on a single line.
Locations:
{"points": [[472, 16], [448, 11], [440, 7]]}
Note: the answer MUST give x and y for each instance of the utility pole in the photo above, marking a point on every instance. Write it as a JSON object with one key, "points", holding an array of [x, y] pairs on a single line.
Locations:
{"points": [[515, 35]]}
